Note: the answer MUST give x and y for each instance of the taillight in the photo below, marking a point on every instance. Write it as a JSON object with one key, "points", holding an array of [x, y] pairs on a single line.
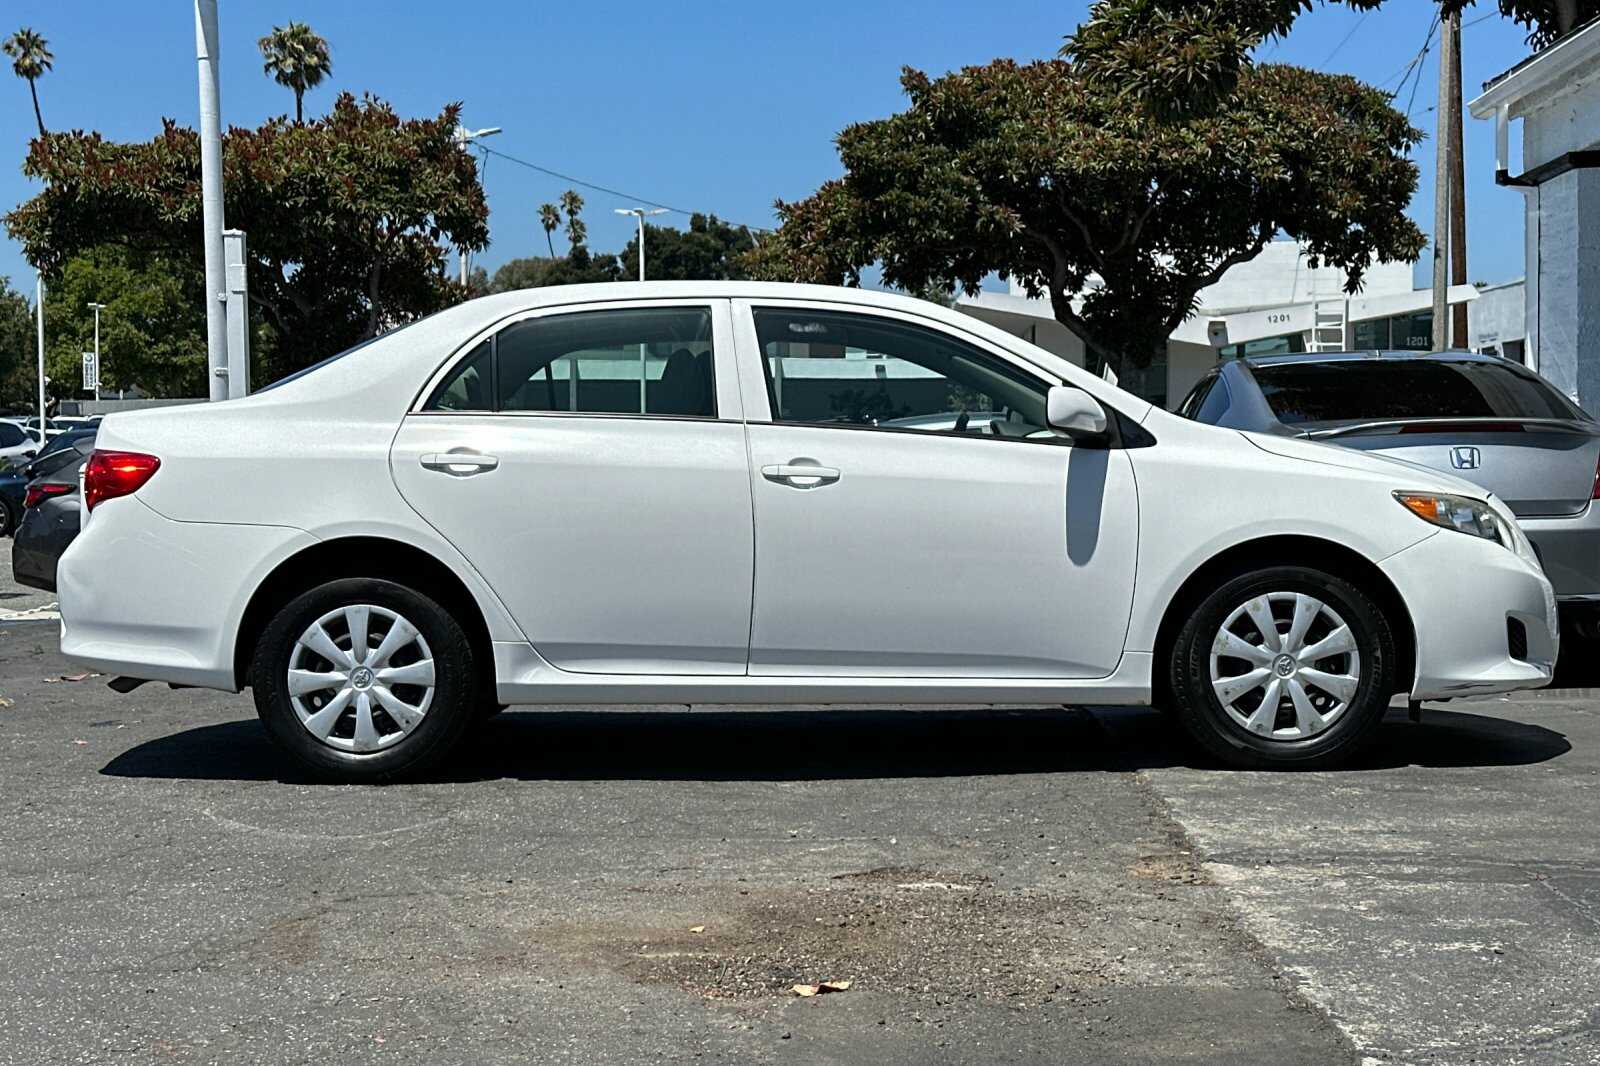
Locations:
{"points": [[108, 475], [39, 493], [1595, 495]]}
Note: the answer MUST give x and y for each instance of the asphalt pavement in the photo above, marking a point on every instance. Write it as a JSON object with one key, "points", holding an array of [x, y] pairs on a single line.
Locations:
{"points": [[996, 885]]}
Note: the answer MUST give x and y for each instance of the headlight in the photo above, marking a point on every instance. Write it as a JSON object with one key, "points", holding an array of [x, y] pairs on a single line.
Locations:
{"points": [[1459, 513]]}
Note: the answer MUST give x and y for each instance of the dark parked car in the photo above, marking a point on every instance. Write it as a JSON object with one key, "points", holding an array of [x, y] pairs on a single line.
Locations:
{"points": [[49, 522], [1479, 417], [64, 450]]}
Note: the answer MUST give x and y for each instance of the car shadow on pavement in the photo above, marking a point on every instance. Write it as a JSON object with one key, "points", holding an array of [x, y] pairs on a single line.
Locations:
{"points": [[812, 744]]}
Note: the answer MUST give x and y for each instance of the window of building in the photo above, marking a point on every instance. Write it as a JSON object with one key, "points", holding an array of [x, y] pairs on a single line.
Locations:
{"points": [[653, 361]]}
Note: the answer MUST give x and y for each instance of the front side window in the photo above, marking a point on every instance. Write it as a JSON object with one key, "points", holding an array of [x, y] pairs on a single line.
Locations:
{"points": [[836, 367], [651, 361]]}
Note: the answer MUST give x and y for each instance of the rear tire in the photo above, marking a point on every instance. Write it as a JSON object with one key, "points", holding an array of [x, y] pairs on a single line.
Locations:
{"points": [[1328, 668], [9, 519], [395, 710]]}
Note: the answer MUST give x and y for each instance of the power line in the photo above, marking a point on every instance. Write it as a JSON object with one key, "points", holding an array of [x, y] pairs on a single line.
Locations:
{"points": [[1416, 67], [1345, 39], [618, 193]]}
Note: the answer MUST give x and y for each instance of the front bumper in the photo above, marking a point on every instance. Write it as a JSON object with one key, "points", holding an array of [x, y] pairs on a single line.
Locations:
{"points": [[1462, 592], [1569, 549]]}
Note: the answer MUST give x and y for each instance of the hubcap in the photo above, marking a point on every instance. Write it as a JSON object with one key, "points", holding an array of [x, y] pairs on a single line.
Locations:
{"points": [[1285, 666], [361, 678]]}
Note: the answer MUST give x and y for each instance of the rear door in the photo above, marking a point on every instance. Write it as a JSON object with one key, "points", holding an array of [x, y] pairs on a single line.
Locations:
{"points": [[590, 463], [1489, 421]]}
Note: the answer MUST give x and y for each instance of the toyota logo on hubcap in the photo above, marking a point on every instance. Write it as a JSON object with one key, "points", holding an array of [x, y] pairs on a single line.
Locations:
{"points": [[1284, 666], [362, 678]]}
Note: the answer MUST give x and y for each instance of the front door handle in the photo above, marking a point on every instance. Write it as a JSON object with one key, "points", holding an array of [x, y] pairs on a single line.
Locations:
{"points": [[460, 462], [800, 474]]}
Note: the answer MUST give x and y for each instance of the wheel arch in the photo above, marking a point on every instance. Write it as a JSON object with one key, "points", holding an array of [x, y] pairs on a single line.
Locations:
{"points": [[1286, 550], [360, 556]]}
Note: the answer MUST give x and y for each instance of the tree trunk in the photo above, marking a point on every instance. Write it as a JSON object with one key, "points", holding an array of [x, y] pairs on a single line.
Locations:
{"points": [[550, 244], [37, 117], [299, 118]]}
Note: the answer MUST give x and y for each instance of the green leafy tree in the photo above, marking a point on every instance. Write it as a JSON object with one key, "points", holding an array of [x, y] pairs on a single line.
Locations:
{"points": [[549, 221], [297, 58], [18, 373], [580, 267], [710, 250], [1179, 57], [1119, 217], [30, 60], [349, 216], [577, 229], [150, 337]]}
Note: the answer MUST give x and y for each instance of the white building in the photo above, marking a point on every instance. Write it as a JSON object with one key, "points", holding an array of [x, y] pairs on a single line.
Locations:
{"points": [[1556, 94], [1273, 303]]}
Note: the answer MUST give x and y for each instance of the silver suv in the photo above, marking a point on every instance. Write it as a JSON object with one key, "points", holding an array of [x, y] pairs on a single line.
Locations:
{"points": [[1476, 416]]}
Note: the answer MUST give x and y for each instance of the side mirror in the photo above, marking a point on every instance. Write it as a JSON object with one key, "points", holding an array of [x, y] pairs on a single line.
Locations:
{"points": [[1075, 413]]}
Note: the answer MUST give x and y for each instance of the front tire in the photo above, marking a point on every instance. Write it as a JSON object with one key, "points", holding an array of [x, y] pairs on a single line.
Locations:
{"points": [[1284, 667], [363, 680]]}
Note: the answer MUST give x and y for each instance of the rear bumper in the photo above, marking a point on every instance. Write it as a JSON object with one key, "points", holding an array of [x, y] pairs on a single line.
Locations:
{"points": [[1464, 594], [1569, 549], [144, 596]]}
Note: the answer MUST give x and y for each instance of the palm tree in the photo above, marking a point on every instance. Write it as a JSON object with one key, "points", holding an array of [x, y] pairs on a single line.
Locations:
{"points": [[297, 58], [550, 219], [31, 58], [572, 204]]}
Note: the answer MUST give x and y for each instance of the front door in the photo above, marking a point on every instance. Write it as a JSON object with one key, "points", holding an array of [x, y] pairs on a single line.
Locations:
{"points": [[591, 465], [915, 517]]}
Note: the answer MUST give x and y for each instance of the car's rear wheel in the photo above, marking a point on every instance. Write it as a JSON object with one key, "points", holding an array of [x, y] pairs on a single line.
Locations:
{"points": [[9, 520], [1284, 667], [364, 680]]}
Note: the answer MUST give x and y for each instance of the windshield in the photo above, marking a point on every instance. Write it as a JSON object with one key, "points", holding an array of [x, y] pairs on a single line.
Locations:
{"points": [[1379, 390]]}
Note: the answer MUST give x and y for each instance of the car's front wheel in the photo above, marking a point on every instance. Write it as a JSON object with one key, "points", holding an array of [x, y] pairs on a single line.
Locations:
{"points": [[364, 680], [1286, 666]]}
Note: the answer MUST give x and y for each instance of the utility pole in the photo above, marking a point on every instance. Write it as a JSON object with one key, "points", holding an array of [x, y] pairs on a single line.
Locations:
{"points": [[464, 137], [97, 308], [205, 45], [1444, 164], [1458, 196]]}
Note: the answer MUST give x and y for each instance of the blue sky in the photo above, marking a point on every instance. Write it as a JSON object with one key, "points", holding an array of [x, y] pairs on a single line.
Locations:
{"points": [[717, 107]]}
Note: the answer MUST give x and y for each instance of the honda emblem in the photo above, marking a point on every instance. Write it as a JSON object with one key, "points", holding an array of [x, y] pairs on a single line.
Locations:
{"points": [[1466, 457]]}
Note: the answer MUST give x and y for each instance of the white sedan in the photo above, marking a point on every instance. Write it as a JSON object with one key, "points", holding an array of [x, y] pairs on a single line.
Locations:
{"points": [[740, 493]]}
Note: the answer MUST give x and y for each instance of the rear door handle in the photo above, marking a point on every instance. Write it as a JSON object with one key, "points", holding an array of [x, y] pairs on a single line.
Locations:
{"points": [[460, 463], [800, 475]]}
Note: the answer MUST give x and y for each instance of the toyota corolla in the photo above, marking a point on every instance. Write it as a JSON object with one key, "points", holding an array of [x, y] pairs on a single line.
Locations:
{"points": [[738, 493]]}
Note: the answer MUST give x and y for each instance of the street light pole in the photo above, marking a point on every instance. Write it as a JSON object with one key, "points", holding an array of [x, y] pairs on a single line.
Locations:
{"points": [[97, 308], [39, 307], [465, 137], [640, 213], [205, 44]]}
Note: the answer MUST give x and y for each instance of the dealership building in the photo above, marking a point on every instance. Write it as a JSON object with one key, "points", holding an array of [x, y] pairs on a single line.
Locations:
{"points": [[1277, 302]]}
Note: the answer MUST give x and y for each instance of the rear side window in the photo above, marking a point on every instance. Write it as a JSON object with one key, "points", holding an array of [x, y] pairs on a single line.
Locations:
{"points": [[1376, 390], [1190, 407], [11, 435], [651, 361]]}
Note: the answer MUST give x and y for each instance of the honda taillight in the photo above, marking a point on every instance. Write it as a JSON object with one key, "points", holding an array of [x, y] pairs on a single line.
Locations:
{"points": [[108, 475], [43, 491], [1595, 495]]}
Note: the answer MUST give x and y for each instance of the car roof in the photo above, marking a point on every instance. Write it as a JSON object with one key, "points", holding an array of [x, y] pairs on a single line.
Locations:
{"points": [[1301, 358]]}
